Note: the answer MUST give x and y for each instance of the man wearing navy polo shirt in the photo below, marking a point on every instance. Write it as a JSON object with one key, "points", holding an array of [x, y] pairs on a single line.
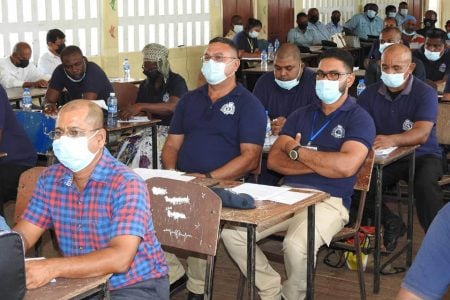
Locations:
{"points": [[288, 87], [217, 131], [321, 146], [405, 110]]}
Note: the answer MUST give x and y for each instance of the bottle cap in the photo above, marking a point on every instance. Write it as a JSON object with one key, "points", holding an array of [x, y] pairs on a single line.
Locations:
{"points": [[361, 81], [112, 94]]}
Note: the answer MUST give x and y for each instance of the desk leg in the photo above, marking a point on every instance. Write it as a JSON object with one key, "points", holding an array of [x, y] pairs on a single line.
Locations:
{"points": [[310, 253], [155, 147], [409, 235], [251, 253], [377, 254]]}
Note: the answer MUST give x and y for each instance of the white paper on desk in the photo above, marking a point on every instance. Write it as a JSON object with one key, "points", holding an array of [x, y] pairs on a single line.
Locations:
{"points": [[290, 197], [38, 258], [385, 151], [135, 119], [259, 191], [172, 174]]}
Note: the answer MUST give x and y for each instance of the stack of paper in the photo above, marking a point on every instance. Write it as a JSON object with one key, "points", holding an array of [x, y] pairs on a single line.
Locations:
{"points": [[273, 193], [385, 151], [172, 174], [135, 119]]}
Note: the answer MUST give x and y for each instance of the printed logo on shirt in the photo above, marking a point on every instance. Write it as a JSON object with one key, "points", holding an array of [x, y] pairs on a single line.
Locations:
{"points": [[407, 125], [338, 132], [442, 68], [228, 108], [166, 97]]}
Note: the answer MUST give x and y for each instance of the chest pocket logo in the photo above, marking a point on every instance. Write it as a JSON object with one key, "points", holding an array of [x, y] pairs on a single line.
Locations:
{"points": [[442, 67], [407, 125], [228, 108], [338, 132]]}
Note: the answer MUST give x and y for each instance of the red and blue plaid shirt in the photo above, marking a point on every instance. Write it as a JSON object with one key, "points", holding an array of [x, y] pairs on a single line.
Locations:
{"points": [[114, 202]]}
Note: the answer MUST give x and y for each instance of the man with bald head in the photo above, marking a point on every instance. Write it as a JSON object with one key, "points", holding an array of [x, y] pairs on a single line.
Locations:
{"points": [[16, 70], [390, 36], [405, 110], [288, 87], [100, 210]]}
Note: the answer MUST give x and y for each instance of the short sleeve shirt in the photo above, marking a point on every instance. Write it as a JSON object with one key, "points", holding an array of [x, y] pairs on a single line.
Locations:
{"points": [[213, 132], [114, 202], [14, 140], [280, 102], [362, 26], [174, 86], [348, 123], [95, 81], [436, 70], [321, 32], [417, 102], [300, 38], [244, 42]]}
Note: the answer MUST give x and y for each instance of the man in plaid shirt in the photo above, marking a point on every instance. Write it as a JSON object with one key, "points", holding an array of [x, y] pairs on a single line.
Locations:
{"points": [[100, 210]]}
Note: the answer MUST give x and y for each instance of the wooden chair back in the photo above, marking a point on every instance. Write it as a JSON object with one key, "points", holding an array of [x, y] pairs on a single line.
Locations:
{"points": [[443, 124], [126, 94], [27, 182]]}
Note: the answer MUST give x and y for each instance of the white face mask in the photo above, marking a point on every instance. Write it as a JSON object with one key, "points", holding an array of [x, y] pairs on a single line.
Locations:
{"points": [[238, 28], [371, 13], [431, 55], [253, 34], [288, 84], [73, 152], [384, 46], [393, 80], [328, 90], [409, 33], [214, 72], [392, 14], [404, 11]]}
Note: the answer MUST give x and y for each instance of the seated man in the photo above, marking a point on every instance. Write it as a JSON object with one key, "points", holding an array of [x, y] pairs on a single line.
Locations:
{"points": [[409, 35], [301, 35], [217, 131], [334, 27], [20, 151], [55, 44], [365, 23], [321, 32], [158, 95], [236, 27], [81, 78], [404, 110], [321, 146], [247, 40], [435, 57], [390, 36], [374, 52], [402, 13], [429, 22], [100, 211], [288, 87], [16, 70], [428, 277]]}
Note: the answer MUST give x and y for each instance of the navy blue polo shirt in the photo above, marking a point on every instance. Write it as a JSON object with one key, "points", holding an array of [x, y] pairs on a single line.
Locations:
{"points": [[435, 70], [417, 102], [280, 102], [244, 42], [447, 86], [14, 140], [174, 86], [348, 123], [213, 132], [95, 81]]}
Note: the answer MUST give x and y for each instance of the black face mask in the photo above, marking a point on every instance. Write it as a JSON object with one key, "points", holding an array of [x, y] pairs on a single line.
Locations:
{"points": [[335, 20], [303, 26], [60, 48], [314, 19], [23, 63], [151, 74], [429, 22]]}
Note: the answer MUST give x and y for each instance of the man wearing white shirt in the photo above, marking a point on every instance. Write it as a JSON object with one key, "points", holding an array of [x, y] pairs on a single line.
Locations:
{"points": [[16, 70], [50, 60]]}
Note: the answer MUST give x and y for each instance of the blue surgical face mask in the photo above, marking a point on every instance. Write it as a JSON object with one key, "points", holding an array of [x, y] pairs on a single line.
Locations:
{"points": [[253, 34], [371, 13], [393, 80], [384, 46], [288, 84], [409, 33], [392, 14], [73, 152], [238, 28], [404, 11], [214, 72], [431, 55], [328, 90]]}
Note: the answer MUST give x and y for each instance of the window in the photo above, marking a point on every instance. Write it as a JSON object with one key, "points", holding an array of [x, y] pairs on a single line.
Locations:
{"points": [[29, 21], [172, 23]]}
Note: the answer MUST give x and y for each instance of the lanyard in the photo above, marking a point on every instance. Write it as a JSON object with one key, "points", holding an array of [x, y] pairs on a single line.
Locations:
{"points": [[250, 43], [312, 134]]}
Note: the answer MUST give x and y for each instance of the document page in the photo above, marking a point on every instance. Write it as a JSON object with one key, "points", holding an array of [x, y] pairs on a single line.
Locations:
{"points": [[385, 151], [172, 174], [259, 191]]}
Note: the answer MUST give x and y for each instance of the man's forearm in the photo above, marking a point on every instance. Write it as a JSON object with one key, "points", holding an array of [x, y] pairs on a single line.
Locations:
{"points": [[279, 162]]}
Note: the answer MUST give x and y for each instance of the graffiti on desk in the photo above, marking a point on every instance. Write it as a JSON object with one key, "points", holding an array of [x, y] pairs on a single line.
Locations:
{"points": [[174, 215], [177, 233], [159, 191]]}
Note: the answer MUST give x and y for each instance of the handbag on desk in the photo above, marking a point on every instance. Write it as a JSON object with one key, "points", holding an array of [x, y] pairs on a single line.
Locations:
{"points": [[12, 266]]}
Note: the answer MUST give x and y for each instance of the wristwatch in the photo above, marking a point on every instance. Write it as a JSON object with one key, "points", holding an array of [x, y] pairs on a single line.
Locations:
{"points": [[293, 154]]}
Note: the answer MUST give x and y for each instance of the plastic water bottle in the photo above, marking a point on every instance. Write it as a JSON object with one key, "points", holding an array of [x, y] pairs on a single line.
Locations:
{"points": [[27, 102], [268, 130], [112, 110], [126, 70], [270, 56], [361, 87], [264, 59], [276, 45]]}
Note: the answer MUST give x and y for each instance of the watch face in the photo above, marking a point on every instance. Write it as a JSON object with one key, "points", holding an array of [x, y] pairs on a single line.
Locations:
{"points": [[293, 154]]}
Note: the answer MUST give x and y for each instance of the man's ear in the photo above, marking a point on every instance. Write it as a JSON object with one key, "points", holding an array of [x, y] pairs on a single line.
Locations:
{"points": [[350, 80], [411, 68]]}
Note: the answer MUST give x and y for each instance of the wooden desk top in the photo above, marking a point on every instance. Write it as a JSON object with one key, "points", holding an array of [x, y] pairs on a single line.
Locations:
{"points": [[122, 126], [397, 154], [121, 80], [66, 288], [16, 93]]}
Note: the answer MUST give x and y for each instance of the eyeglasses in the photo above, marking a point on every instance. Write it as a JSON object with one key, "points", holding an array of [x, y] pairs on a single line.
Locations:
{"points": [[216, 58], [70, 132], [330, 75]]}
